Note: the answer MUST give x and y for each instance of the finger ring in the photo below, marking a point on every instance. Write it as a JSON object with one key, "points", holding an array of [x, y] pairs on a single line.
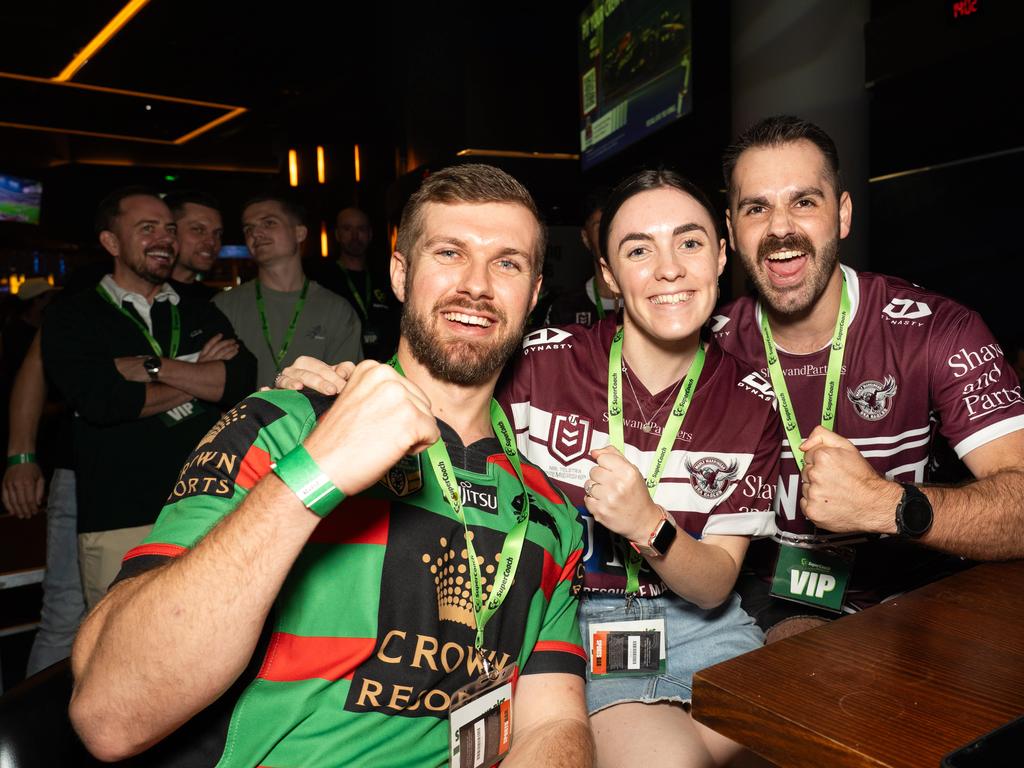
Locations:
{"points": [[588, 488], [277, 380]]}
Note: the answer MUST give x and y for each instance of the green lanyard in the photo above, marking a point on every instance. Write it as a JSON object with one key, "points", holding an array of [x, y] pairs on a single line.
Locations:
{"points": [[277, 357], [668, 435], [359, 299], [835, 369], [153, 343], [512, 548], [598, 301]]}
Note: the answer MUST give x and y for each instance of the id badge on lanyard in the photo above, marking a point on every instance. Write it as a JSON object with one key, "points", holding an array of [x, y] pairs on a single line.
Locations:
{"points": [[480, 720], [627, 641]]}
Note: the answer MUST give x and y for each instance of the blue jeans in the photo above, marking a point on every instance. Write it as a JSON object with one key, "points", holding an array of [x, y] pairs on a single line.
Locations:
{"points": [[63, 604]]}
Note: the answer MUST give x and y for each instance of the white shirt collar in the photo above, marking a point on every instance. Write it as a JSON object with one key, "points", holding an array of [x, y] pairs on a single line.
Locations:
{"points": [[137, 300]]}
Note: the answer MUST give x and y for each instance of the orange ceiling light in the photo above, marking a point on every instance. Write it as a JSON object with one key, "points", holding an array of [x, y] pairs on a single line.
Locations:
{"points": [[293, 168], [323, 239], [112, 28], [359, 173], [321, 171], [231, 111]]}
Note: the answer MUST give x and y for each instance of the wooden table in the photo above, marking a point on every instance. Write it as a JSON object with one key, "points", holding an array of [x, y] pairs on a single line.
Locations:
{"points": [[901, 684]]}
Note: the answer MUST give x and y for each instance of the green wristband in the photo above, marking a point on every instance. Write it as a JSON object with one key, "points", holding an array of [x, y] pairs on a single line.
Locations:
{"points": [[21, 458], [306, 480]]}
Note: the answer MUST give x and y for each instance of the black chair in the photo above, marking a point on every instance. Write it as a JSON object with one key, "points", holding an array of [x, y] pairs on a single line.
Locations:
{"points": [[34, 727]]}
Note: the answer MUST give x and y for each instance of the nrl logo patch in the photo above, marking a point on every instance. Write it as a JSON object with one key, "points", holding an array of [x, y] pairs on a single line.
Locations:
{"points": [[710, 476], [873, 399], [569, 438], [405, 478]]}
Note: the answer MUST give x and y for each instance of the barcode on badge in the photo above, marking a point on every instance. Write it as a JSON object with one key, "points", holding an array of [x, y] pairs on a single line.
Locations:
{"points": [[634, 652], [479, 741]]}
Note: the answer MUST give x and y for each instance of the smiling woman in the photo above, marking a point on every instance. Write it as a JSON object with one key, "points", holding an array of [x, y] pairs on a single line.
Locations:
{"points": [[653, 435]]}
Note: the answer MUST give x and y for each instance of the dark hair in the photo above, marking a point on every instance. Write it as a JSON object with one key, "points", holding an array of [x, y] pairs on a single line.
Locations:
{"points": [[110, 206], [775, 132], [595, 200], [470, 183], [177, 201], [644, 181], [294, 211]]}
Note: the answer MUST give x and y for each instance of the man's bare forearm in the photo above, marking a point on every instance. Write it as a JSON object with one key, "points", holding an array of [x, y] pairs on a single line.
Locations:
{"points": [[163, 646], [983, 519], [28, 396], [202, 380], [559, 744], [162, 397]]}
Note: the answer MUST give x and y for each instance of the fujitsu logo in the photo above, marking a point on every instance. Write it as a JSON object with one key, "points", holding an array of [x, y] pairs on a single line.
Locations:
{"points": [[906, 309]]}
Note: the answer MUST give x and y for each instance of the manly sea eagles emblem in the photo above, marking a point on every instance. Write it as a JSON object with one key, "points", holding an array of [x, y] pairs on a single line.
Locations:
{"points": [[872, 399], [709, 476]]}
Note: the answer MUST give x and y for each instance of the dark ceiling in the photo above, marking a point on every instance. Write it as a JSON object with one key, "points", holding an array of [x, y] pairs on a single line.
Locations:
{"points": [[340, 74]]}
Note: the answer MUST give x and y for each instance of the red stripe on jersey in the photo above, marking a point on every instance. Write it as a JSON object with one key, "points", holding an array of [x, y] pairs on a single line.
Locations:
{"points": [[255, 466], [293, 657], [163, 550], [358, 520], [536, 480], [557, 646], [552, 574]]}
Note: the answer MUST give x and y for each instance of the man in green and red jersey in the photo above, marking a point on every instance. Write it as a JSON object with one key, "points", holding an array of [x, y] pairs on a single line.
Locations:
{"points": [[266, 622]]}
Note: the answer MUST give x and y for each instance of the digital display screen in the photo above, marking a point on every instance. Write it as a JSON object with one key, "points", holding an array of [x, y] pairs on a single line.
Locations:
{"points": [[635, 78], [20, 199], [233, 252]]}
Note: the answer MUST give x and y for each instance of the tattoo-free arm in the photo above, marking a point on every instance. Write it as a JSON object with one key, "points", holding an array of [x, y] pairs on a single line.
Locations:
{"points": [[550, 726]]}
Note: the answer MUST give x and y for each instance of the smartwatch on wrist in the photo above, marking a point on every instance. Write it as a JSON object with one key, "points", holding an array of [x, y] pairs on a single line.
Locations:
{"points": [[913, 513], [152, 366], [661, 537]]}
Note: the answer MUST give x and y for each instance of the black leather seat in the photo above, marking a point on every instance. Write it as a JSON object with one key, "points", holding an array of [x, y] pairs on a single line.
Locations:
{"points": [[35, 731]]}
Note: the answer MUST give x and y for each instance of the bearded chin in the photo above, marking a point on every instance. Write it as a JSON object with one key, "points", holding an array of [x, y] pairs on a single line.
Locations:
{"points": [[800, 300], [464, 363]]}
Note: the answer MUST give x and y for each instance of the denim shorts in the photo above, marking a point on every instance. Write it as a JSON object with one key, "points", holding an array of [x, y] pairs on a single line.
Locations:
{"points": [[697, 638]]}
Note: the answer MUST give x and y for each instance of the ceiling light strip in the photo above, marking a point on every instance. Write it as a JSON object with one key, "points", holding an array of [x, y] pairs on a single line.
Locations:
{"points": [[516, 153], [210, 125], [112, 28]]}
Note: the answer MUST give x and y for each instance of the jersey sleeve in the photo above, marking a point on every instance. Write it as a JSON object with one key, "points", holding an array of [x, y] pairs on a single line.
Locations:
{"points": [[973, 386], [559, 647], [747, 510], [228, 462]]}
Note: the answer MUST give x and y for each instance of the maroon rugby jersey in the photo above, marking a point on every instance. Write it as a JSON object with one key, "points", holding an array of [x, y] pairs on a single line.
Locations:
{"points": [[914, 361], [720, 477]]}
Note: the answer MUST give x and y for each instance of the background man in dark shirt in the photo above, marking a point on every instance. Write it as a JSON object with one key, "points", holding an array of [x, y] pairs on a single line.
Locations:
{"points": [[200, 229]]}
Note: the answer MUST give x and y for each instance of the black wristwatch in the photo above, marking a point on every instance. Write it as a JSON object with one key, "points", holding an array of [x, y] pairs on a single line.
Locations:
{"points": [[913, 513], [152, 366]]}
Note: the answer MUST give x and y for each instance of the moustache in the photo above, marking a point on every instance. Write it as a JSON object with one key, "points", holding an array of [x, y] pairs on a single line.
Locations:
{"points": [[793, 242]]}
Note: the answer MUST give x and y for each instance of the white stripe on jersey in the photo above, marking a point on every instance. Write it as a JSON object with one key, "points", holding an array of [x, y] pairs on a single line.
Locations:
{"points": [[788, 454], [674, 492], [988, 434], [891, 439], [741, 524]]}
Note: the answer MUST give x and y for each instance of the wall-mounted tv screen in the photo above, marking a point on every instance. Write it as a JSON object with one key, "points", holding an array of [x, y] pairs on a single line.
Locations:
{"points": [[20, 199], [234, 252], [635, 74]]}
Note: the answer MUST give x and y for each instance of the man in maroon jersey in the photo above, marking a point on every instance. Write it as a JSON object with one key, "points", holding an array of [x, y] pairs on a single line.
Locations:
{"points": [[904, 362]]}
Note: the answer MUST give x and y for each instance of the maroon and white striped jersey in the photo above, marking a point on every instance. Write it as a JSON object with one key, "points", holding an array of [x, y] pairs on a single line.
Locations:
{"points": [[915, 361], [722, 472]]}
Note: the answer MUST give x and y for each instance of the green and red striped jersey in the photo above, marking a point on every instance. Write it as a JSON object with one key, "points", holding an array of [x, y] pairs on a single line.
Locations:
{"points": [[373, 629]]}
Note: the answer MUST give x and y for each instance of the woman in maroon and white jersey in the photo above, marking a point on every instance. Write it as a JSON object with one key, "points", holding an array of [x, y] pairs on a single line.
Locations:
{"points": [[663, 252]]}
